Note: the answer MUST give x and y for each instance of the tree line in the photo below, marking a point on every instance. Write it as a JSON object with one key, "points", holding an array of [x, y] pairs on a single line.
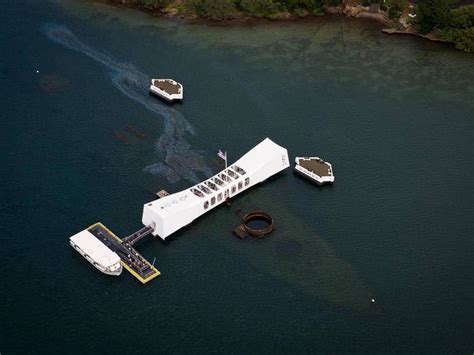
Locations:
{"points": [[454, 25], [225, 9]]}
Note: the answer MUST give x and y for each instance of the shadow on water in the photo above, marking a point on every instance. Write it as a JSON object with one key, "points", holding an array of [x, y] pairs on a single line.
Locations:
{"points": [[180, 161]]}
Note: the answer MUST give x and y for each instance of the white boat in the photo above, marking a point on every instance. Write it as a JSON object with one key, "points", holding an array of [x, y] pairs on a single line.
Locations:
{"points": [[97, 253], [314, 169], [167, 89], [170, 213]]}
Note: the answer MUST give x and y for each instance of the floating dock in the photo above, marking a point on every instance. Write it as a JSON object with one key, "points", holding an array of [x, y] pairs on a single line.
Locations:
{"points": [[131, 260], [315, 169], [167, 89]]}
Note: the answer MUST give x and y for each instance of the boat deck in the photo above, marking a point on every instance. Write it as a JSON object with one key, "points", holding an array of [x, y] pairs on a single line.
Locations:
{"points": [[318, 167], [131, 260], [167, 86]]}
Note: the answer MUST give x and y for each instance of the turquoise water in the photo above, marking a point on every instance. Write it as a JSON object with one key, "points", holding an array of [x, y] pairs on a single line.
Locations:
{"points": [[392, 114]]}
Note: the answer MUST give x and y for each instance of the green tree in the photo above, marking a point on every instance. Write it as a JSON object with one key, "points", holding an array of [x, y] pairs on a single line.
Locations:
{"points": [[308, 5], [155, 4], [214, 9], [396, 7], [462, 17], [460, 30], [433, 14], [258, 7]]}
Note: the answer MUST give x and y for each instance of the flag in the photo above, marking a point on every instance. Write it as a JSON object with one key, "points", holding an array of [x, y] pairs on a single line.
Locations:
{"points": [[222, 155]]}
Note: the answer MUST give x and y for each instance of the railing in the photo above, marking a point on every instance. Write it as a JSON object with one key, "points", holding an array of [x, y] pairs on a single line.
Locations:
{"points": [[138, 235]]}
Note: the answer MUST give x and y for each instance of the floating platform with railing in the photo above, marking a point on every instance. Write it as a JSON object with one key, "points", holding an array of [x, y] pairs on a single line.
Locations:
{"points": [[314, 169], [167, 89]]}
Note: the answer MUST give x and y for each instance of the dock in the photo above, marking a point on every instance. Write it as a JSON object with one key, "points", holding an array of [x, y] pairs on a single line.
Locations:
{"points": [[131, 260], [319, 167], [315, 169], [167, 89]]}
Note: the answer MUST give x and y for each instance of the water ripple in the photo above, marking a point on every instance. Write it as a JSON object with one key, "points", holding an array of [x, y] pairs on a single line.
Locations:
{"points": [[180, 161]]}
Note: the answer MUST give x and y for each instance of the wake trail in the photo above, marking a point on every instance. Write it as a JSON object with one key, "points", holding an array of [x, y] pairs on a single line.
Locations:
{"points": [[180, 161]]}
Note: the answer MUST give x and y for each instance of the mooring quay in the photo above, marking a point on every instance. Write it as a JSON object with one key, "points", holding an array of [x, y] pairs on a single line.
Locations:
{"points": [[131, 260]]}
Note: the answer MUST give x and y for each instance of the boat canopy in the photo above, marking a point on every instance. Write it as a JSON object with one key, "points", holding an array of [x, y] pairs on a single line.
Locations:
{"points": [[93, 247]]}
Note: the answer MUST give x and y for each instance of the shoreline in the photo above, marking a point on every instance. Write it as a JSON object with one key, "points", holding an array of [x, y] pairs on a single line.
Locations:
{"points": [[428, 36], [241, 19]]}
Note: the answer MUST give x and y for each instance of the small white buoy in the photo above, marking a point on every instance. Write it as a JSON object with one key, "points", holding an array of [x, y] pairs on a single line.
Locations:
{"points": [[37, 72], [373, 300]]}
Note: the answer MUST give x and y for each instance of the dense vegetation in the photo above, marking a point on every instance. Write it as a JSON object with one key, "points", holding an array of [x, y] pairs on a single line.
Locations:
{"points": [[456, 25], [225, 9]]}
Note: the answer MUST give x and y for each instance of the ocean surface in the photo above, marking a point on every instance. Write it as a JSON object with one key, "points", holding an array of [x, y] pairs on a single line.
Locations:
{"points": [[394, 115]]}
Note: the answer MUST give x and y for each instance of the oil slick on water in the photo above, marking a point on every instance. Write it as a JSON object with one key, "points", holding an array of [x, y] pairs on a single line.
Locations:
{"points": [[180, 161]]}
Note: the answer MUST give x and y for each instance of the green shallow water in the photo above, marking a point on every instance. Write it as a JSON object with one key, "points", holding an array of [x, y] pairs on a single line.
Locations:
{"points": [[392, 114]]}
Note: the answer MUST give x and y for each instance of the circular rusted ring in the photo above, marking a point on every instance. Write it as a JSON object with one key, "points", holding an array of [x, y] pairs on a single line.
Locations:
{"points": [[258, 215]]}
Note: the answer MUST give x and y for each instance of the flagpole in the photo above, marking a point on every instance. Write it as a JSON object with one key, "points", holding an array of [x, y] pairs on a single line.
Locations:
{"points": [[222, 155]]}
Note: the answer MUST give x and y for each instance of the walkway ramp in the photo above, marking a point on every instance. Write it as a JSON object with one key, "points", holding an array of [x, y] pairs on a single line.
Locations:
{"points": [[131, 260]]}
